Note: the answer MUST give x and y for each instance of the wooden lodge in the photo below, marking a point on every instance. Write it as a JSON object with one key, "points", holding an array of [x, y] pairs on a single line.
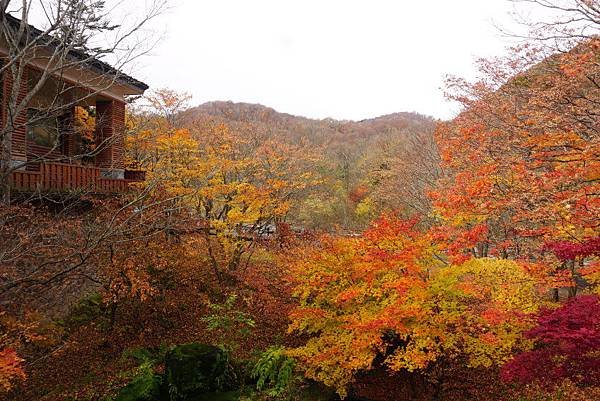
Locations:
{"points": [[81, 146]]}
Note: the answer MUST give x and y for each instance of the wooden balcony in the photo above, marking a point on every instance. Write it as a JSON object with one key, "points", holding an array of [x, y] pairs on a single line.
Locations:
{"points": [[70, 177]]}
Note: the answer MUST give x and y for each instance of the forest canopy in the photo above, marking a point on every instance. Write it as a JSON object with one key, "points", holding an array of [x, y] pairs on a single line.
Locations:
{"points": [[248, 254]]}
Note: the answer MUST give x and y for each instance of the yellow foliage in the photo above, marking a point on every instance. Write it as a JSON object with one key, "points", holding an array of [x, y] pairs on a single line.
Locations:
{"points": [[236, 182], [365, 208], [355, 293]]}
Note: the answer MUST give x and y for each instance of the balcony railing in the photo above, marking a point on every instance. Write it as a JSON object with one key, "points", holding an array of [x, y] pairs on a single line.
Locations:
{"points": [[66, 177]]}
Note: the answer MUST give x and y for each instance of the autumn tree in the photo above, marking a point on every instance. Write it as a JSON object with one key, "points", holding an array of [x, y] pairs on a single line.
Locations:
{"points": [[10, 368], [558, 24], [234, 185], [149, 122], [521, 160], [390, 294], [113, 248], [167, 104], [227, 185], [404, 171]]}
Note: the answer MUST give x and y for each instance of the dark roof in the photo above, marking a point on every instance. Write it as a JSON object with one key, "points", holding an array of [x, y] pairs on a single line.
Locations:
{"points": [[93, 64]]}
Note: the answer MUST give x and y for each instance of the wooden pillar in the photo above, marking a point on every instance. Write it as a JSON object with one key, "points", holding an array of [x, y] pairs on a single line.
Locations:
{"points": [[67, 130], [16, 125], [110, 132]]}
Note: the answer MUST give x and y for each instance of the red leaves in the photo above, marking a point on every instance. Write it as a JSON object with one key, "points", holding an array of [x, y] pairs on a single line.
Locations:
{"points": [[566, 250], [457, 242], [567, 346], [493, 316], [390, 226], [347, 295]]}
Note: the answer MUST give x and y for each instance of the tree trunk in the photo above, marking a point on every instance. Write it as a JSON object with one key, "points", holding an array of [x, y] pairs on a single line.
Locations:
{"points": [[214, 264], [573, 289], [5, 163]]}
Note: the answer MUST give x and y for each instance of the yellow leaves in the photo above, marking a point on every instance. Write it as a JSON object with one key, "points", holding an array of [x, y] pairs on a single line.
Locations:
{"points": [[491, 301], [237, 216], [503, 282], [84, 124], [352, 293], [277, 185], [333, 358], [236, 183], [417, 355], [365, 208], [178, 143]]}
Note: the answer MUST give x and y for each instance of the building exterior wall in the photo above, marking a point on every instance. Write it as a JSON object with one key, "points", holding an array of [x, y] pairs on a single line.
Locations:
{"points": [[110, 131], [16, 126]]}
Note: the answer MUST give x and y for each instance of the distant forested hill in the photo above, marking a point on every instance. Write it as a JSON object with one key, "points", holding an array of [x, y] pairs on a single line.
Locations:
{"points": [[363, 162], [318, 131]]}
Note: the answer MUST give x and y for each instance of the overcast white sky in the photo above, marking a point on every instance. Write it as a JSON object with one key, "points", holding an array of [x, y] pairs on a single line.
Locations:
{"points": [[344, 59]]}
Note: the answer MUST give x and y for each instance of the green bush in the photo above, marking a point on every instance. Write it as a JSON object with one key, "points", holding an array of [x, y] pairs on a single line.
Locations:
{"points": [[195, 369], [230, 323], [191, 372], [154, 355], [144, 387], [86, 310]]}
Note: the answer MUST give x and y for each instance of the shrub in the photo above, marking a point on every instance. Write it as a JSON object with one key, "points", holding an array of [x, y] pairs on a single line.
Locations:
{"points": [[144, 387], [195, 369], [567, 346]]}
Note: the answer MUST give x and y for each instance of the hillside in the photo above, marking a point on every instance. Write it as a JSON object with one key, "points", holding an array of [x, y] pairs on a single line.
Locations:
{"points": [[315, 130], [367, 166]]}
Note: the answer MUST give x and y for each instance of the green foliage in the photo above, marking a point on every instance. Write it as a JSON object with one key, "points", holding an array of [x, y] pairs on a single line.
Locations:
{"points": [[274, 372], [86, 310], [195, 369], [146, 384], [226, 319], [191, 371], [151, 355], [144, 387]]}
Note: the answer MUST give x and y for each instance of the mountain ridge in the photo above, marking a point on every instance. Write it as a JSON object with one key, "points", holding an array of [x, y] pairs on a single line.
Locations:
{"points": [[219, 107]]}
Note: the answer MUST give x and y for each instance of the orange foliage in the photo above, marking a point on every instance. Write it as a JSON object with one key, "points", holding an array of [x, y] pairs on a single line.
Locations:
{"points": [[521, 160], [10, 368]]}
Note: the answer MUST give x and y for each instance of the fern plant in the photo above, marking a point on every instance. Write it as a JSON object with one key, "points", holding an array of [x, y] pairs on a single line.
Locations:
{"points": [[274, 372]]}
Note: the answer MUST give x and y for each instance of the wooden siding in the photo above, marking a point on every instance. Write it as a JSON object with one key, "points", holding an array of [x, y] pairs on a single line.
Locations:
{"points": [[67, 177]]}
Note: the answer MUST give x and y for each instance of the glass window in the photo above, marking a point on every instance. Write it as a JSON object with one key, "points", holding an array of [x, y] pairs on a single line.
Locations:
{"points": [[43, 131], [84, 128]]}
